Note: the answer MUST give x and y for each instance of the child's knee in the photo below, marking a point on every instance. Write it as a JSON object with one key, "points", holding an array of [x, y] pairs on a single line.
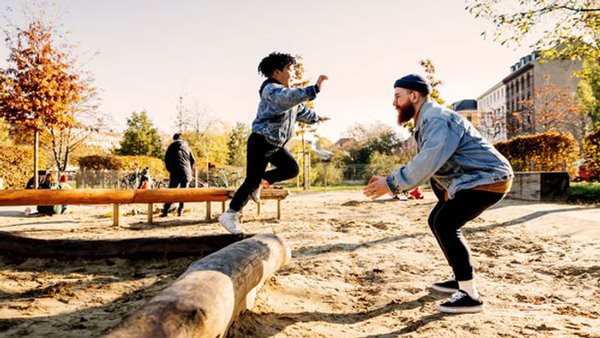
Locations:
{"points": [[294, 170]]}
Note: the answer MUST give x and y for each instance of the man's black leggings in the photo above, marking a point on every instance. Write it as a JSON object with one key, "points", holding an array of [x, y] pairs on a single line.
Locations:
{"points": [[259, 154], [446, 219]]}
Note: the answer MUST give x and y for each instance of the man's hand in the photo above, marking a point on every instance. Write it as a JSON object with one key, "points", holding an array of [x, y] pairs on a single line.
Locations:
{"points": [[377, 187], [320, 81]]}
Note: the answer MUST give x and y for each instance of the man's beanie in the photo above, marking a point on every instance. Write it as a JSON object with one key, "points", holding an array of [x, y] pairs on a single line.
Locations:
{"points": [[413, 82]]}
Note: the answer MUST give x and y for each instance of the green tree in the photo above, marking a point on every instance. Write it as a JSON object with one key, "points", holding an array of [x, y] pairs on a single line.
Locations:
{"points": [[238, 137], [141, 137], [588, 91], [573, 25], [369, 139]]}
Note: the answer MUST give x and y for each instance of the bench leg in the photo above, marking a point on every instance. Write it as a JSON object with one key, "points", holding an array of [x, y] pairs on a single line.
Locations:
{"points": [[278, 209], [150, 210], [208, 211], [223, 206], [258, 207], [116, 215]]}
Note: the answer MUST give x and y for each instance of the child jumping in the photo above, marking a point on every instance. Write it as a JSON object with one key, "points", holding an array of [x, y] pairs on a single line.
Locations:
{"points": [[278, 110]]}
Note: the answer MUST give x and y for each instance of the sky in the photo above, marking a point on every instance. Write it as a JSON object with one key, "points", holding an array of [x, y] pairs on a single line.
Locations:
{"points": [[149, 53]]}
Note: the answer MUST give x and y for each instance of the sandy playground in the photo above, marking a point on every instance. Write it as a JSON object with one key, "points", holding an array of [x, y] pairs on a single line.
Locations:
{"points": [[360, 268]]}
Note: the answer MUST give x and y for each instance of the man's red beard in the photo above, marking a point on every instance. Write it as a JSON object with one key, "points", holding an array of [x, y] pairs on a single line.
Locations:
{"points": [[405, 113]]}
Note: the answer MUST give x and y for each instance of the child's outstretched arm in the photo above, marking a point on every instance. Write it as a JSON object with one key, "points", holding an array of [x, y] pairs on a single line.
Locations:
{"points": [[286, 98]]}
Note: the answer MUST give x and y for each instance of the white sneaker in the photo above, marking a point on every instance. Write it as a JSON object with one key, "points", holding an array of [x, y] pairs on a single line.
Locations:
{"points": [[229, 220], [402, 197], [256, 194]]}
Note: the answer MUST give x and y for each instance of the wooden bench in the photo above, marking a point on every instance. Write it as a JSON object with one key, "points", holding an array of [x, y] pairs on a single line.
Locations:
{"points": [[117, 197]]}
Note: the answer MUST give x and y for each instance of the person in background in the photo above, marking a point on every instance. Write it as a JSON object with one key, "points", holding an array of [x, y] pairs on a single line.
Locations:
{"points": [[51, 184], [63, 183], [179, 162]]}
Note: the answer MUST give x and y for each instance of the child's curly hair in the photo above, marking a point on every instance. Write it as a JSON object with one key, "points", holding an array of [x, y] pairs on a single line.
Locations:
{"points": [[275, 61]]}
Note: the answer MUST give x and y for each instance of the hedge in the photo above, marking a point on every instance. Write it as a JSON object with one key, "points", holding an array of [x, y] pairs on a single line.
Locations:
{"points": [[546, 150], [16, 165], [591, 153], [124, 163]]}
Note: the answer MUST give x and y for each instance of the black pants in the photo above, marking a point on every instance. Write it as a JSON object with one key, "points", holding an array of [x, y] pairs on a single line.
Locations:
{"points": [[176, 182], [259, 154], [446, 219]]}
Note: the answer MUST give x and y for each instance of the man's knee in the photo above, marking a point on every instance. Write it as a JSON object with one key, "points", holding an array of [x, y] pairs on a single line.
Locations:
{"points": [[431, 218]]}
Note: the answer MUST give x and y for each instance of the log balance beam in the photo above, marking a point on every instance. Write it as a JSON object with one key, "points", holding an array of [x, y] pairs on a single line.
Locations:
{"points": [[206, 299], [116, 197]]}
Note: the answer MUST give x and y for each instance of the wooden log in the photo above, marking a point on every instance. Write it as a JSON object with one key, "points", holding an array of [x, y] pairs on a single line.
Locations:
{"points": [[273, 194], [150, 211], [278, 209], [181, 195], [204, 301], [115, 214], [180, 246], [109, 196]]}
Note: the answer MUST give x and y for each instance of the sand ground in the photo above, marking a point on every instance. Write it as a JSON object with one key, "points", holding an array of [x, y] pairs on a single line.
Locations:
{"points": [[360, 268]]}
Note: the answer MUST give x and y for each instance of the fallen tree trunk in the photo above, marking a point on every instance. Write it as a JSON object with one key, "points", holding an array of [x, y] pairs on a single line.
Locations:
{"points": [[22, 247], [205, 300]]}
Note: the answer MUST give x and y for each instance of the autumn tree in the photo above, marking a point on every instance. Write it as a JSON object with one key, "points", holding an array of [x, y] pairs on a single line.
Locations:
{"points": [[238, 137], [4, 132], [431, 76], [572, 25], [555, 109], [141, 137], [43, 89], [298, 81], [207, 136], [183, 117]]}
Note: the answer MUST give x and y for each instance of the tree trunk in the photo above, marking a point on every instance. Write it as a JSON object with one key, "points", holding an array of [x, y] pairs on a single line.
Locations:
{"points": [[180, 246], [205, 300], [36, 136]]}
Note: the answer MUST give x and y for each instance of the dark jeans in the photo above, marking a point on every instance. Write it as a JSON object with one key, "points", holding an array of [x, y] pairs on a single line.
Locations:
{"points": [[259, 154], [446, 219], [176, 182]]}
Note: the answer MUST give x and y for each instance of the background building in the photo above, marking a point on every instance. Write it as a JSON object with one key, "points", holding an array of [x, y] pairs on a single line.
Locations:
{"points": [[491, 108], [527, 76]]}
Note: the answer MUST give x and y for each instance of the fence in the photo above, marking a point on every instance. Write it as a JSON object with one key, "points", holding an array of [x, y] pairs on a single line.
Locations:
{"points": [[227, 177]]}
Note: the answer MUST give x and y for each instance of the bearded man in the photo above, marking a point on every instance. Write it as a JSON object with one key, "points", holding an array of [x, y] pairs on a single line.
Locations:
{"points": [[467, 174]]}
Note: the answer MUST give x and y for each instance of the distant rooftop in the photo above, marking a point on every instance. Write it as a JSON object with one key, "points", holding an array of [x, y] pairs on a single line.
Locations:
{"points": [[462, 105]]}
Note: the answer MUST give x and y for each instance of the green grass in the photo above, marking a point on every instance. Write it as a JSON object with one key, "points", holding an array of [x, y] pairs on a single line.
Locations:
{"points": [[584, 192]]}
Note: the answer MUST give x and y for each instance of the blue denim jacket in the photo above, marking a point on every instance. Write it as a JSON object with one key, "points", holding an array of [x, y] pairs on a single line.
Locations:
{"points": [[451, 151], [278, 110]]}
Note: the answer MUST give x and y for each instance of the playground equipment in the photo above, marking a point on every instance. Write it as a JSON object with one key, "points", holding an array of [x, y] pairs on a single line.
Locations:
{"points": [[117, 197], [204, 301]]}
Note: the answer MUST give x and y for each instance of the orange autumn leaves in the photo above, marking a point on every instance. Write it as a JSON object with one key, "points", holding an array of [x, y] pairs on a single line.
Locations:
{"points": [[41, 88]]}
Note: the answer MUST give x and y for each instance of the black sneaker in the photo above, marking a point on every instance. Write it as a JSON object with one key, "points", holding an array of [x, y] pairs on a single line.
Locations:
{"points": [[461, 302], [449, 286]]}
